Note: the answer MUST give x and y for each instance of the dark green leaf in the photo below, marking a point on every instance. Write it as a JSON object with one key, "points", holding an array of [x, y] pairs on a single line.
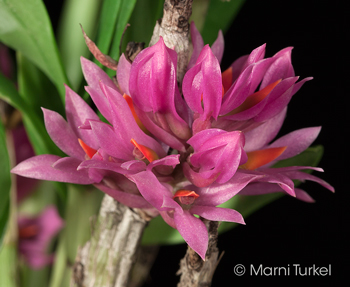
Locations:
{"points": [[158, 232], [199, 13], [25, 27], [34, 125], [143, 20], [4, 217], [309, 157], [219, 16], [8, 263], [5, 182], [35, 88], [108, 20], [78, 225], [126, 9]]}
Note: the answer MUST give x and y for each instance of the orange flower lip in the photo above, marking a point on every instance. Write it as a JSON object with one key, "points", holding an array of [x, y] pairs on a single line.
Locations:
{"points": [[88, 150], [147, 152], [226, 79], [254, 99], [186, 196], [259, 158], [28, 231], [130, 103]]}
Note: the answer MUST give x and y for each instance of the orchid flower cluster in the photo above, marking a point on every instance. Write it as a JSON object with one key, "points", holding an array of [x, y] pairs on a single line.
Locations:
{"points": [[181, 149]]}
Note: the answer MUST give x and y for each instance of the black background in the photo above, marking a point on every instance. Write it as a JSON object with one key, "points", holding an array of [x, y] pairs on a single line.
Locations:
{"points": [[289, 231]]}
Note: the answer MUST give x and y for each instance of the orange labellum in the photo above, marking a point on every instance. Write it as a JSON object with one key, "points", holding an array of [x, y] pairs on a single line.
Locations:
{"points": [[28, 231], [255, 98], [88, 150], [132, 109], [259, 158], [186, 196], [226, 79], [147, 152]]}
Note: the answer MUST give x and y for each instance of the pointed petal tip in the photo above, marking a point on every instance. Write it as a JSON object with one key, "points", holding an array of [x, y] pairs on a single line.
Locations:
{"points": [[83, 60], [242, 221]]}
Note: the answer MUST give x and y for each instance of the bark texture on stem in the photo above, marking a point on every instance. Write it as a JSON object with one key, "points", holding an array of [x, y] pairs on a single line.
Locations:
{"points": [[174, 28], [193, 270], [107, 258]]}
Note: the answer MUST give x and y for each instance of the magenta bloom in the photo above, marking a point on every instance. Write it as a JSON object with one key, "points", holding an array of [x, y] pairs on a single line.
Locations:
{"points": [[180, 151], [178, 208], [262, 155], [35, 234], [217, 155], [154, 90]]}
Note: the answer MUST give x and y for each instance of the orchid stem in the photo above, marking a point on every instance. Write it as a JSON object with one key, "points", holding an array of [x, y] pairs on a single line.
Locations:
{"points": [[193, 270], [108, 257]]}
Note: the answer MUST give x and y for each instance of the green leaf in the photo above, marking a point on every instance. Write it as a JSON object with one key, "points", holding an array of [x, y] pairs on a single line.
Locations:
{"points": [[34, 125], [35, 88], [108, 20], [25, 27], [158, 232], [83, 203], [5, 182], [199, 13], [8, 276], [61, 272], [5, 177], [126, 9], [220, 15], [34, 277], [142, 21], [70, 37], [310, 157], [4, 217]]}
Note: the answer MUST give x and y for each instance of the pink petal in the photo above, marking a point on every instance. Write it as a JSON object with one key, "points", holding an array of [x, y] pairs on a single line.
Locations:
{"points": [[218, 46], [296, 141], [101, 102], [193, 231], [111, 141], [198, 44], [278, 99], [104, 165], [167, 137], [306, 176], [245, 85], [123, 74], [77, 111], [260, 136], [217, 213], [204, 79], [281, 68], [216, 153], [128, 199], [62, 134], [170, 160], [40, 167], [217, 194], [150, 188], [125, 125], [34, 249], [94, 74], [302, 195]]}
